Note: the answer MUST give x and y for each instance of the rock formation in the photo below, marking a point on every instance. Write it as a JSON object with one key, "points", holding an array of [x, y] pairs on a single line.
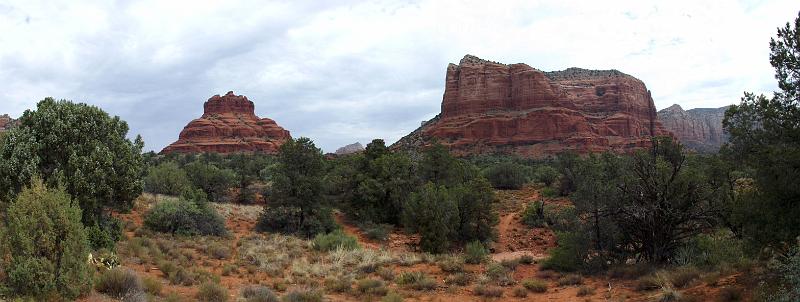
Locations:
{"points": [[350, 149], [489, 107], [699, 129], [229, 124], [6, 122]]}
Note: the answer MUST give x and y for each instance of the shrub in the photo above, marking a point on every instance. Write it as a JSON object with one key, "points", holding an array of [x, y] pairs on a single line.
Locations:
{"points": [[546, 174], [433, 213], [571, 279], [218, 251], [474, 252], [416, 280], [488, 291], [371, 287], [499, 274], [729, 294], [526, 259], [549, 192], [335, 240], [711, 250], [451, 264], [118, 283], [386, 273], [669, 294], [506, 175], [185, 218], [534, 285], [683, 276], [585, 291], [46, 245], [282, 219], [651, 282], [533, 215], [229, 269], [392, 297], [378, 232], [152, 286], [338, 285], [519, 292], [303, 295], [166, 178], [460, 279], [569, 255], [258, 293], [212, 292]]}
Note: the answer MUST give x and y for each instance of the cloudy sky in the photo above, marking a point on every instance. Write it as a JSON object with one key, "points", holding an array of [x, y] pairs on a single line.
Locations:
{"points": [[346, 71]]}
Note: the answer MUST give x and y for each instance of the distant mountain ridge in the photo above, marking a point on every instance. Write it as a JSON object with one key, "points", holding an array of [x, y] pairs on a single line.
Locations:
{"points": [[699, 129]]}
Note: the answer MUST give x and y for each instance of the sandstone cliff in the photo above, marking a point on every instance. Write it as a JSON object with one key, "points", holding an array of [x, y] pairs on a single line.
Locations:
{"points": [[489, 107], [229, 124], [699, 129], [6, 122]]}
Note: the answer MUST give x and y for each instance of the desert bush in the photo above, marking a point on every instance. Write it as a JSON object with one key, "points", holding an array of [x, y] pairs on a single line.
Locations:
{"points": [[371, 287], [340, 284], [546, 175], [534, 285], [185, 218], [416, 281], [335, 240], [499, 274], [219, 251], [569, 255], [212, 292], [506, 175], [229, 269], [118, 283], [519, 292], [549, 192], [44, 246], [181, 276], [571, 279], [533, 215], [166, 178], [378, 232], [711, 250], [152, 286], [526, 259], [459, 278], [386, 273], [488, 291], [669, 294], [303, 295], [392, 297], [730, 294], [474, 252], [214, 181], [683, 276], [651, 282], [451, 264], [258, 293], [585, 291]]}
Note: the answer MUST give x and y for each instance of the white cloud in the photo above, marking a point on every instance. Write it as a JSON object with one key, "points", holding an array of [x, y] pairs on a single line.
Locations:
{"points": [[340, 72]]}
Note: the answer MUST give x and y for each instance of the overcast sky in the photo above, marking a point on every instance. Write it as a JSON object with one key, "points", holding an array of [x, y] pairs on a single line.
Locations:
{"points": [[346, 71]]}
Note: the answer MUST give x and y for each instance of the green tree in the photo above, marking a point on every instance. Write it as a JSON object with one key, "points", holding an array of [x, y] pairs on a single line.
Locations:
{"points": [[506, 175], [166, 178], [433, 213], [765, 136], [215, 182], [80, 148], [46, 245], [477, 219], [296, 193], [546, 174]]}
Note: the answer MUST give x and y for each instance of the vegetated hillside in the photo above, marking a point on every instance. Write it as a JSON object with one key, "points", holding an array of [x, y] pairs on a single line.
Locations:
{"points": [[489, 107], [699, 129]]}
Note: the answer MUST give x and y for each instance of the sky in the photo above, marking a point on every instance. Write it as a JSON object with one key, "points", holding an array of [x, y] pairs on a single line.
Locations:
{"points": [[340, 72]]}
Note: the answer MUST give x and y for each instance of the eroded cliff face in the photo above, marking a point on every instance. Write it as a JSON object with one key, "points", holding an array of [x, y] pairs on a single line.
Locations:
{"points": [[699, 129], [489, 107], [6, 122], [228, 125]]}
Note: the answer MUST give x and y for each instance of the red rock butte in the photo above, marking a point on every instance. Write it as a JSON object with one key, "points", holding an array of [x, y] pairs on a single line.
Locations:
{"points": [[489, 107], [229, 125]]}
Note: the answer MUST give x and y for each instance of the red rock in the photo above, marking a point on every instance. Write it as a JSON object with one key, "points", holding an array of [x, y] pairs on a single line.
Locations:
{"points": [[6, 122], [489, 107], [699, 129], [229, 124]]}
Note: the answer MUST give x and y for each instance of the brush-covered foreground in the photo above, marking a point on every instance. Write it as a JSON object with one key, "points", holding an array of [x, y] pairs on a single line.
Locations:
{"points": [[251, 266]]}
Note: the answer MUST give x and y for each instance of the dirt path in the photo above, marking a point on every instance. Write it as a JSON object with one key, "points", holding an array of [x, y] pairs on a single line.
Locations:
{"points": [[514, 239]]}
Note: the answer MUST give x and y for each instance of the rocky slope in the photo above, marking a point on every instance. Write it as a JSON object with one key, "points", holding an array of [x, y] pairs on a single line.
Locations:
{"points": [[229, 124], [6, 122], [489, 107], [350, 149], [699, 129]]}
